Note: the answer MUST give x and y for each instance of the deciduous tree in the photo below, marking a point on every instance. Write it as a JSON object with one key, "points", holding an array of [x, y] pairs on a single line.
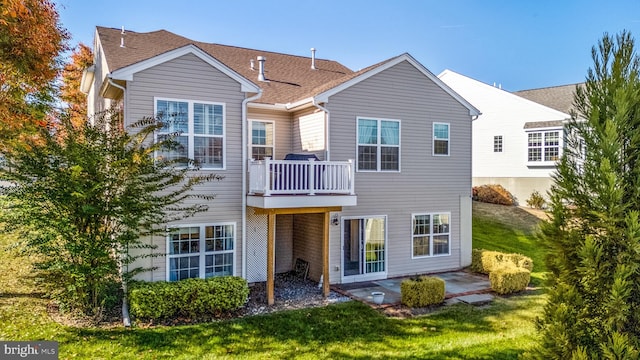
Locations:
{"points": [[85, 199], [70, 93], [31, 39]]}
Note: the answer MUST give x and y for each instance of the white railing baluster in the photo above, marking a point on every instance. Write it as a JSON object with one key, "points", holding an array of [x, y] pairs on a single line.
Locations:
{"points": [[307, 177]]}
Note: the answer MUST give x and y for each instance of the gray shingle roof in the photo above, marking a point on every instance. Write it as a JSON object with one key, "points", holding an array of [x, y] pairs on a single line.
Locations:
{"points": [[290, 77], [556, 97]]}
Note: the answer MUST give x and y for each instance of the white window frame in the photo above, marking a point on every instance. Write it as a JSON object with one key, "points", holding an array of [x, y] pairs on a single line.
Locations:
{"points": [[543, 146], [252, 145], [430, 235], [202, 253], [190, 134], [448, 139], [497, 143], [378, 144]]}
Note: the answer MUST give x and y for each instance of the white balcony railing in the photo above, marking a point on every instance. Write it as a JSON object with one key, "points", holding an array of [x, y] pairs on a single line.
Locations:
{"points": [[307, 177]]}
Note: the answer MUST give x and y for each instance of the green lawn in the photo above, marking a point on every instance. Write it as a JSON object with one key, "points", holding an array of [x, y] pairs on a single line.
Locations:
{"points": [[509, 229], [350, 330]]}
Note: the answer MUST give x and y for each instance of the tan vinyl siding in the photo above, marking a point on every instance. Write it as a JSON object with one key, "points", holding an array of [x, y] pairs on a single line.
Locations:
{"points": [[189, 78], [307, 241], [309, 129], [282, 123], [425, 184], [284, 243]]}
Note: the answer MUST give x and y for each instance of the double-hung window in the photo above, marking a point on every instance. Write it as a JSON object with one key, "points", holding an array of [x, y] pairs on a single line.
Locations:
{"points": [[262, 139], [200, 251], [543, 146], [378, 145], [199, 130], [441, 139], [431, 234]]}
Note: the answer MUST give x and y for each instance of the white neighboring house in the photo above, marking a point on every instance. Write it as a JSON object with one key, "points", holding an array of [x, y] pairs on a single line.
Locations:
{"points": [[516, 142]]}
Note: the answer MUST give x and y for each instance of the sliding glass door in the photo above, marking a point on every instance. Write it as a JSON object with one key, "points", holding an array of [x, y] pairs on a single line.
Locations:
{"points": [[364, 248]]}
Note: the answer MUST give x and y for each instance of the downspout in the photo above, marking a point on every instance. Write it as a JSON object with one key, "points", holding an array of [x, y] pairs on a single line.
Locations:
{"points": [[326, 135], [126, 319], [245, 144]]}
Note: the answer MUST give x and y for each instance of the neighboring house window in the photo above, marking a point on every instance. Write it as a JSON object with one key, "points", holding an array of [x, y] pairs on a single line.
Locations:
{"points": [[431, 234], [497, 143], [543, 146], [200, 127], [262, 140], [201, 251], [440, 139], [378, 145]]}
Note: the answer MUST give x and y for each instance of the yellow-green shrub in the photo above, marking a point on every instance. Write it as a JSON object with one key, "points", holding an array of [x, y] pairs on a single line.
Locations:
{"points": [[484, 261], [190, 298], [509, 278], [422, 291]]}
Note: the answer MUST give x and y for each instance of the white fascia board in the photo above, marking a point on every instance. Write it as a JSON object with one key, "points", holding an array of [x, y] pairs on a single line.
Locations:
{"points": [[267, 106], [298, 103], [324, 97], [127, 73]]}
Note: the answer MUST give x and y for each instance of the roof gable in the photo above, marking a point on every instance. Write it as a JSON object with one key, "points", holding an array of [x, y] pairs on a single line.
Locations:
{"points": [[491, 99], [332, 89], [127, 72]]}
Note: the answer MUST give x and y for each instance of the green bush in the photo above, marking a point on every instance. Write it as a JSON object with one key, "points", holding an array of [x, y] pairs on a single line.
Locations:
{"points": [[508, 279], [484, 261], [422, 291], [536, 200], [191, 298]]}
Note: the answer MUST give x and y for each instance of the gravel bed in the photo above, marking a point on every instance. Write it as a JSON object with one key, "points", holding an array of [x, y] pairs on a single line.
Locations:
{"points": [[291, 292]]}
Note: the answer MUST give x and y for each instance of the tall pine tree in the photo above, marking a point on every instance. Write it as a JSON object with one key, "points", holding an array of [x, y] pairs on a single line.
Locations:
{"points": [[593, 237]]}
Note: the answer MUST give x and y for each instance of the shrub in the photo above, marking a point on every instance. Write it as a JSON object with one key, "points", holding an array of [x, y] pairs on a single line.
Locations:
{"points": [[508, 279], [485, 261], [422, 291], [191, 298], [493, 194], [536, 201]]}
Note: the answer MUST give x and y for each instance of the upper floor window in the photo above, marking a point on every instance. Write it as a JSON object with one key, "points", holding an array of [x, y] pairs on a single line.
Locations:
{"points": [[200, 251], [200, 127], [441, 139], [543, 146], [262, 139], [378, 145], [497, 143]]}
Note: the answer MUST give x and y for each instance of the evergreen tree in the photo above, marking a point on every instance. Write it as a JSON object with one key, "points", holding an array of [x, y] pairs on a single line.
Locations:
{"points": [[593, 237]]}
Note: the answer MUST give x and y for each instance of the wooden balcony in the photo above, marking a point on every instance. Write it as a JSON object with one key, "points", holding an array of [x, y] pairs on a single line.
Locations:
{"points": [[301, 183]]}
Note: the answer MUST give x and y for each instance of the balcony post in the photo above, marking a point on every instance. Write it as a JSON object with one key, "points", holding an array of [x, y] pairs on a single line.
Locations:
{"points": [[352, 177], [267, 176], [312, 176]]}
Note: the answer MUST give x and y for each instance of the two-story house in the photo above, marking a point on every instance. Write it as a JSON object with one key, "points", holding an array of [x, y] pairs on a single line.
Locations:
{"points": [[364, 175], [516, 142]]}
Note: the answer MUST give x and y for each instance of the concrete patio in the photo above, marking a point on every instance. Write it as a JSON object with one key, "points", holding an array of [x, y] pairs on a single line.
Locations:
{"points": [[460, 286]]}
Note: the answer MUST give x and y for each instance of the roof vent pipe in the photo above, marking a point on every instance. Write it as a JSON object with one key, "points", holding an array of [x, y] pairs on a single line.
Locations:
{"points": [[313, 58], [261, 60], [122, 37], [252, 64]]}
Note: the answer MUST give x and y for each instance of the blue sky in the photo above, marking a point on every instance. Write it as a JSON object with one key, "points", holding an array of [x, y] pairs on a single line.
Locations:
{"points": [[521, 44]]}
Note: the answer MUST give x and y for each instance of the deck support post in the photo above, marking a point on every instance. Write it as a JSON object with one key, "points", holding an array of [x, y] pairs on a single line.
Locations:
{"points": [[325, 254], [271, 229]]}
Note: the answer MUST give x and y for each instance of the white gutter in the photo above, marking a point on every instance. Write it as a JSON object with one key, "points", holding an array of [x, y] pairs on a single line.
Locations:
{"points": [[245, 144], [126, 320], [326, 135]]}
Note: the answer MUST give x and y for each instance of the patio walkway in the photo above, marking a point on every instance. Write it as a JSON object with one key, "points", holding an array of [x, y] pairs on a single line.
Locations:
{"points": [[459, 286]]}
